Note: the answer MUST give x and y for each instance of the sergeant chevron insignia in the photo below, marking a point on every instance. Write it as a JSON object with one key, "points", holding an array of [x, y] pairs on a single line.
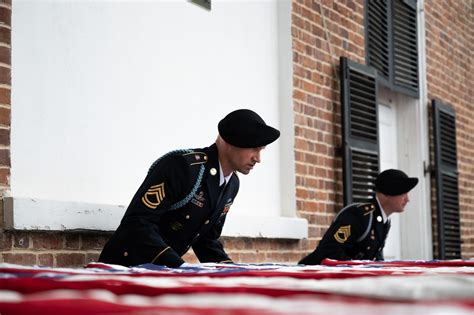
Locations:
{"points": [[154, 196], [342, 234]]}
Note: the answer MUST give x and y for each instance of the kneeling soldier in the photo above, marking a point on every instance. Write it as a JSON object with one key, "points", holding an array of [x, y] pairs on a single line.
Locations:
{"points": [[186, 195], [359, 230]]}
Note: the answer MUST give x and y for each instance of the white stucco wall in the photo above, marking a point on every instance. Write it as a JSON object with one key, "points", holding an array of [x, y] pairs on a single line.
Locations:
{"points": [[100, 89]]}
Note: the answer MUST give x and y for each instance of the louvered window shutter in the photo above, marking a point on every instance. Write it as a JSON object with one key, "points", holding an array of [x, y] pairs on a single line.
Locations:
{"points": [[378, 50], [391, 43], [359, 130], [405, 44], [447, 195]]}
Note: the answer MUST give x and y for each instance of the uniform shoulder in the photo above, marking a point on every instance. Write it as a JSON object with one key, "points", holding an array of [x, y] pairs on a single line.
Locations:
{"points": [[366, 208], [356, 210], [195, 157], [179, 162], [187, 157]]}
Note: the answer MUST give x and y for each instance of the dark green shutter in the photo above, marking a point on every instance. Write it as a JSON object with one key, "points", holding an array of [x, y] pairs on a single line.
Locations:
{"points": [[378, 50], [392, 44], [447, 194], [405, 44], [206, 4], [359, 130]]}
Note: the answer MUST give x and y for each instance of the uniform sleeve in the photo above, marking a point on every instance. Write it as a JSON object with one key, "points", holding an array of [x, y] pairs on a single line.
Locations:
{"points": [[165, 184], [209, 248]]}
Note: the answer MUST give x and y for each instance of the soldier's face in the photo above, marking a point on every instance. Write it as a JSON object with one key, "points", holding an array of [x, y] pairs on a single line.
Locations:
{"points": [[244, 159], [399, 202]]}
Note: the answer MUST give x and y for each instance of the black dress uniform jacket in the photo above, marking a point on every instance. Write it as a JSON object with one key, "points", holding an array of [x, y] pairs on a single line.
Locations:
{"points": [[357, 232], [179, 205]]}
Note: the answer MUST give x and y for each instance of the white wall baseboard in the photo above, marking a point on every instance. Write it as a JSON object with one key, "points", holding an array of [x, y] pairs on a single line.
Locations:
{"points": [[48, 215]]}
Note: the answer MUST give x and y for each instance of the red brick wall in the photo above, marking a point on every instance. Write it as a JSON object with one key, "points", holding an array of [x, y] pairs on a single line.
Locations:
{"points": [[5, 85], [51, 248], [318, 43], [322, 31], [5, 108], [449, 59]]}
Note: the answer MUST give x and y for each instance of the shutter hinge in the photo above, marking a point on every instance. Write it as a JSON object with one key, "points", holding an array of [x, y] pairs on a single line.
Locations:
{"points": [[428, 168]]}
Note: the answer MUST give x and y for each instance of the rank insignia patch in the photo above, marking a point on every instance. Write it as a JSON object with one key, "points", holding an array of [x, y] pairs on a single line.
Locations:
{"points": [[342, 235], [154, 196]]}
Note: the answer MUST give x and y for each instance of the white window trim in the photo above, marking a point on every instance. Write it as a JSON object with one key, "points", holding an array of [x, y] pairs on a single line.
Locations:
{"points": [[413, 156]]}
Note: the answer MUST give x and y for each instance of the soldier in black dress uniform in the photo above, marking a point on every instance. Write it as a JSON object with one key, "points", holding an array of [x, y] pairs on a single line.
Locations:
{"points": [[359, 230], [186, 195]]}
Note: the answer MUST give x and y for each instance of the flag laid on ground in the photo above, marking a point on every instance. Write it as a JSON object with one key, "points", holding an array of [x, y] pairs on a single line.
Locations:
{"points": [[356, 287]]}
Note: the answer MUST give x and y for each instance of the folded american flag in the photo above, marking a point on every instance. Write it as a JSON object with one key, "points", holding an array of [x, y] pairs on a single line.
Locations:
{"points": [[356, 287]]}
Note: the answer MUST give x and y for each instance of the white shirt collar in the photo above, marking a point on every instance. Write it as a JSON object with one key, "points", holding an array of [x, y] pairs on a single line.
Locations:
{"points": [[222, 179], [384, 216]]}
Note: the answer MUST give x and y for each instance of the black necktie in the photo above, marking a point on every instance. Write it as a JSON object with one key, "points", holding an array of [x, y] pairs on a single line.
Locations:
{"points": [[221, 193], [387, 227]]}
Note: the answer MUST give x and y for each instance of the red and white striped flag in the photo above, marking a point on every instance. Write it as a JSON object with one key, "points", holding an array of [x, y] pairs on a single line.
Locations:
{"points": [[356, 287]]}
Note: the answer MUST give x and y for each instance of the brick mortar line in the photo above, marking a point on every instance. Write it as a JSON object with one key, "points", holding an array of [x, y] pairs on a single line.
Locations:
{"points": [[51, 251], [303, 79], [312, 128], [314, 177], [306, 103], [321, 50], [323, 110], [315, 141], [299, 89], [315, 199], [336, 36], [332, 11], [322, 38], [312, 187], [319, 154], [323, 89]]}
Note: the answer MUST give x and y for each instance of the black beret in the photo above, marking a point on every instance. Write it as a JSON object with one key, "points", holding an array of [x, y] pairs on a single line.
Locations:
{"points": [[244, 128], [394, 182]]}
